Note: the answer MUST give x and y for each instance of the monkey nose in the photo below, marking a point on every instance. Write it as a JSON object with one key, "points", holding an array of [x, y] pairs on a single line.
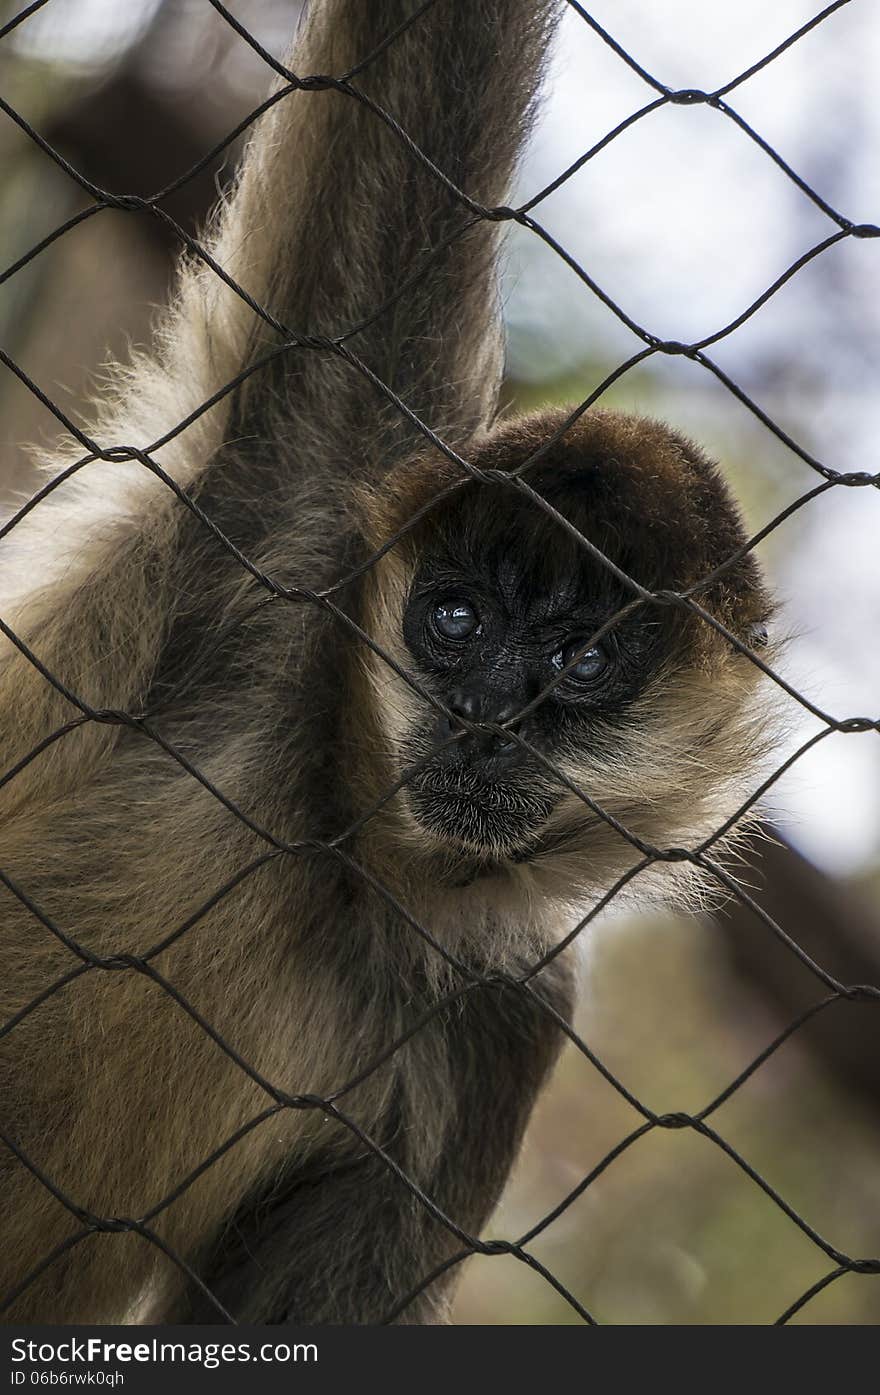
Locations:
{"points": [[476, 707], [463, 703], [507, 713]]}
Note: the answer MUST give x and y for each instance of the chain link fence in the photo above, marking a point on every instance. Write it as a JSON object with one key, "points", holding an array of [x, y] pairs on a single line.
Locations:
{"points": [[829, 990]]}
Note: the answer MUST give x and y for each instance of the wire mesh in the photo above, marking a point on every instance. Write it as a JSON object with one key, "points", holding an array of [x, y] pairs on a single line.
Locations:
{"points": [[147, 724]]}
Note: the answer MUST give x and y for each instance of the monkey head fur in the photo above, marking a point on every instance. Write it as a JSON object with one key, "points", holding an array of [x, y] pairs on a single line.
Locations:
{"points": [[547, 704]]}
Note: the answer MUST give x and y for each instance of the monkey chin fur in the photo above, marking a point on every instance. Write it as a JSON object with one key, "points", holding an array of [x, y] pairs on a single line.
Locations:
{"points": [[490, 821]]}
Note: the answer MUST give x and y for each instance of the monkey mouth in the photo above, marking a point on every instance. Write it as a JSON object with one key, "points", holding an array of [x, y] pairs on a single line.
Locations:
{"points": [[476, 814]]}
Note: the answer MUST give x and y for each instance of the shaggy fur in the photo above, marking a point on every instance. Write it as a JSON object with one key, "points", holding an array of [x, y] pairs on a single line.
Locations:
{"points": [[304, 968]]}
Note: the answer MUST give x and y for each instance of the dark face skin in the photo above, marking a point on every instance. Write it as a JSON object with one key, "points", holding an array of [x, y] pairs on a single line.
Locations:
{"points": [[495, 613]]}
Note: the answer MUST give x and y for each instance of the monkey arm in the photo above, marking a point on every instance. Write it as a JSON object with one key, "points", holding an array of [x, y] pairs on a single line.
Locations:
{"points": [[276, 1261], [337, 215]]}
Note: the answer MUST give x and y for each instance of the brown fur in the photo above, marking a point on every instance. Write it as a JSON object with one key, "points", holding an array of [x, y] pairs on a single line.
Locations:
{"points": [[697, 732], [304, 968]]}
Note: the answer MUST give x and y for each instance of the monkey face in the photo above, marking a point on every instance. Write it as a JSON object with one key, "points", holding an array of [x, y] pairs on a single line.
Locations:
{"points": [[494, 607], [493, 619]]}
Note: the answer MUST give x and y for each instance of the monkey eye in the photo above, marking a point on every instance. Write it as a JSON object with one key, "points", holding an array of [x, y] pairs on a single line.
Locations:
{"points": [[455, 619], [590, 663]]}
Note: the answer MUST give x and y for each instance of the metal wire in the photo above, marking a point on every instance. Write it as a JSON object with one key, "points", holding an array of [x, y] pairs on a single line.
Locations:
{"points": [[147, 725]]}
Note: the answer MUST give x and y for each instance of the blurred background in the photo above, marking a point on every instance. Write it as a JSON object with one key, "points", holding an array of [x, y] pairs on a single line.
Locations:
{"points": [[683, 221]]}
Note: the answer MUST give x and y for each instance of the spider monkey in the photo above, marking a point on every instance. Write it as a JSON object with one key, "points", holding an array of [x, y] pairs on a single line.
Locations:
{"points": [[437, 783]]}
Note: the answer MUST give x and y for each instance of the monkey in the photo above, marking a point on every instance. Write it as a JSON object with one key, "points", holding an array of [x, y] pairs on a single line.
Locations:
{"points": [[331, 699]]}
